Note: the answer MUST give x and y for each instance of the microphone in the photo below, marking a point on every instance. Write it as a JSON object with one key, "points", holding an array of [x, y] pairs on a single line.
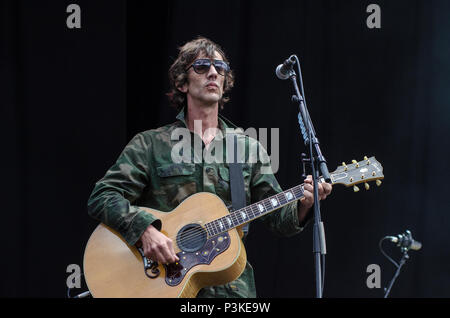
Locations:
{"points": [[283, 70], [405, 241]]}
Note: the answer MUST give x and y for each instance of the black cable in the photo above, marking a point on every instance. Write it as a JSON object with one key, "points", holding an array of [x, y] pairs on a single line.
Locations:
{"points": [[382, 251]]}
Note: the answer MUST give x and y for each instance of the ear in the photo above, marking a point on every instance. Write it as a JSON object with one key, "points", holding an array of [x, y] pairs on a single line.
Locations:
{"points": [[183, 88]]}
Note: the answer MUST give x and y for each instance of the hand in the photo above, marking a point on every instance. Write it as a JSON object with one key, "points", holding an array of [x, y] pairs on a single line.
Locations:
{"points": [[157, 246], [308, 200]]}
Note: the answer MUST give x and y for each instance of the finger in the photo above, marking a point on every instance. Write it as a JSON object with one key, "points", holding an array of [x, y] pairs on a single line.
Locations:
{"points": [[320, 187], [171, 250], [308, 179], [308, 199], [155, 252], [328, 187], [166, 255], [169, 253], [323, 192], [160, 257], [308, 187]]}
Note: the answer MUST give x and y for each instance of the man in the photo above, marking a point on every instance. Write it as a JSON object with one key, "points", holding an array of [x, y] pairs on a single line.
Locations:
{"points": [[146, 174]]}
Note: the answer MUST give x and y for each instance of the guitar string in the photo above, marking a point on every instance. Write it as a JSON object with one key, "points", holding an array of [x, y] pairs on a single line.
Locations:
{"points": [[193, 235], [234, 215]]}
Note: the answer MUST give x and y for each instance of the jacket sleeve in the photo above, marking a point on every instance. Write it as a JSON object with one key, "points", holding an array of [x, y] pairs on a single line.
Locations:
{"points": [[284, 221], [113, 197]]}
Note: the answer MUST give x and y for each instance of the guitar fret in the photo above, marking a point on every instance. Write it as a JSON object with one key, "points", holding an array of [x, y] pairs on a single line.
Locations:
{"points": [[239, 218], [244, 215], [255, 210], [249, 213], [211, 225], [281, 199], [274, 201], [289, 195], [208, 231], [298, 191], [252, 210], [216, 227]]}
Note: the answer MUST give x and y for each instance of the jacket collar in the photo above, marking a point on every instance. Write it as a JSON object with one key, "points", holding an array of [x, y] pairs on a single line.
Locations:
{"points": [[224, 123]]}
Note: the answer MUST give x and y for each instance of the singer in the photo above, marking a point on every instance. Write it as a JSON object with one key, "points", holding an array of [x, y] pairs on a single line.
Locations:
{"points": [[145, 175]]}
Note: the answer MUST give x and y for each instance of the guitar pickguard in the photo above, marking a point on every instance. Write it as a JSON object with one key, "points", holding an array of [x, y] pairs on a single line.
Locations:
{"points": [[214, 246]]}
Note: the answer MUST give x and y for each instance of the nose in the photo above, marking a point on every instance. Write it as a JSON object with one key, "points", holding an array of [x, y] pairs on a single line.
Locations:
{"points": [[212, 72]]}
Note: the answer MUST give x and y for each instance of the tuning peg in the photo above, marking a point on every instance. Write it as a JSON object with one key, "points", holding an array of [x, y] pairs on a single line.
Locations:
{"points": [[365, 158], [354, 161], [345, 166], [355, 188], [366, 185], [378, 182]]}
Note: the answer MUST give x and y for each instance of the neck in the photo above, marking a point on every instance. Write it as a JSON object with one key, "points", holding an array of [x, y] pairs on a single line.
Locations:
{"points": [[208, 115]]}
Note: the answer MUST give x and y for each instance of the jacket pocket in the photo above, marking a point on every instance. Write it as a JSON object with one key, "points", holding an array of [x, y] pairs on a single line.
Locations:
{"points": [[175, 182]]}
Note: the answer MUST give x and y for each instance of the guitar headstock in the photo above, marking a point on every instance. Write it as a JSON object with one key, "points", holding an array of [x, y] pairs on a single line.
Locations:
{"points": [[354, 173]]}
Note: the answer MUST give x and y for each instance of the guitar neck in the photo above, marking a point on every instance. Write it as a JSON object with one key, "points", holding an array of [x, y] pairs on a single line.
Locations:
{"points": [[363, 171], [255, 210]]}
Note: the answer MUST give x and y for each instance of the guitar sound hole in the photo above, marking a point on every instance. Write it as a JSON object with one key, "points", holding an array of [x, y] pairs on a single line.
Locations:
{"points": [[191, 238]]}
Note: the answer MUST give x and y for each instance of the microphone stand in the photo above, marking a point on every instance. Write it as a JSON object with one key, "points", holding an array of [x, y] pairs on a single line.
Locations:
{"points": [[318, 163], [404, 241], [405, 256]]}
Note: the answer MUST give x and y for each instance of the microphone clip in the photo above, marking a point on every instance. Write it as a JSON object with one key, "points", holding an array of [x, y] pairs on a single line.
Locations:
{"points": [[405, 241], [305, 160]]}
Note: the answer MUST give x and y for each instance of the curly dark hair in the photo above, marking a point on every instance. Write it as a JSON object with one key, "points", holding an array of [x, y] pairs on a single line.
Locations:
{"points": [[178, 74]]}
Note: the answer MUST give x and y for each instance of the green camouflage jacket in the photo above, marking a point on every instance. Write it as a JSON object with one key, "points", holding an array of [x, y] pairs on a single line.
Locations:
{"points": [[145, 175]]}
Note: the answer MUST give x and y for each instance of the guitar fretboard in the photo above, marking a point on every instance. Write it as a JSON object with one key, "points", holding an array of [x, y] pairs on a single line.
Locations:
{"points": [[254, 211]]}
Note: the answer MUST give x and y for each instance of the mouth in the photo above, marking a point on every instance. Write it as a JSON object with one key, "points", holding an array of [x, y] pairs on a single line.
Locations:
{"points": [[212, 85]]}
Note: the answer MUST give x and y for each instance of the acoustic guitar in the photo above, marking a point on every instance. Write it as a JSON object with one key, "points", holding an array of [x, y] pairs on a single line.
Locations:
{"points": [[207, 239]]}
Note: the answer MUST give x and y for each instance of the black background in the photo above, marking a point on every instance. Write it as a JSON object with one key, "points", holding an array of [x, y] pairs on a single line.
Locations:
{"points": [[72, 98]]}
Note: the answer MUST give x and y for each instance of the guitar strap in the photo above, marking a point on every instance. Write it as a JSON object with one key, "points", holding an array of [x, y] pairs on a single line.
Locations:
{"points": [[237, 188]]}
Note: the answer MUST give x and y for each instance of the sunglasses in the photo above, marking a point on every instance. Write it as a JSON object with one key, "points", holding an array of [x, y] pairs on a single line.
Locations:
{"points": [[201, 66]]}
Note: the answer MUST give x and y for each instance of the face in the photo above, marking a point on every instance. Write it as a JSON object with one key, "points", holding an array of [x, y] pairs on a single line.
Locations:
{"points": [[204, 89]]}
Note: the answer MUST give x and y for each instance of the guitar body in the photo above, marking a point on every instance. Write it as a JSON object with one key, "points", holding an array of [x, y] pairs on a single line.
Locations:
{"points": [[113, 268]]}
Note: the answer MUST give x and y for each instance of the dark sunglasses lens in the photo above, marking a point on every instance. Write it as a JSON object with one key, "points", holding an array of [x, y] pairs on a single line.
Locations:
{"points": [[221, 67], [201, 66]]}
